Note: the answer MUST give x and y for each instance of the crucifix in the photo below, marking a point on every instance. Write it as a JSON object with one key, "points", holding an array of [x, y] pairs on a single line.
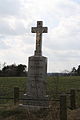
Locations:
{"points": [[39, 30]]}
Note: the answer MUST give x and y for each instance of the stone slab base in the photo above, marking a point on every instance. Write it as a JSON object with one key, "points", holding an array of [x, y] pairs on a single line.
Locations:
{"points": [[32, 108]]}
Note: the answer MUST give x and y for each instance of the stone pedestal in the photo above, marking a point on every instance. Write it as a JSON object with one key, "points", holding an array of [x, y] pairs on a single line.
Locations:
{"points": [[36, 84]]}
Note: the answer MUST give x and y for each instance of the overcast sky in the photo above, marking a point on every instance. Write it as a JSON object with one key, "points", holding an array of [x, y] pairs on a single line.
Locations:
{"points": [[62, 42]]}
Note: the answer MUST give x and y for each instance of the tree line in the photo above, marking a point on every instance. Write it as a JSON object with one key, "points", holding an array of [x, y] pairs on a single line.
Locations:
{"points": [[20, 70], [76, 71], [13, 70]]}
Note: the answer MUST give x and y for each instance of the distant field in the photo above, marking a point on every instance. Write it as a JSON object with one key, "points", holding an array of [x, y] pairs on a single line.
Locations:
{"points": [[54, 84], [63, 83], [11, 82]]}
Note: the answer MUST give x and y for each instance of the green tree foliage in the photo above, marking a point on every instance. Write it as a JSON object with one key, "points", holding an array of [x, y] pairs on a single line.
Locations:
{"points": [[21, 69], [74, 71], [78, 70], [13, 70]]}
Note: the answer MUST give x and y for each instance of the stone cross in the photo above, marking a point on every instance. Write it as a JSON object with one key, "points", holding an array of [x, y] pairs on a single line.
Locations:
{"points": [[39, 30]]}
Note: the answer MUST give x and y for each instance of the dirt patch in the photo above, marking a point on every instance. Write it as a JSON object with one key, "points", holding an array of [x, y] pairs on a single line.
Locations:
{"points": [[74, 114]]}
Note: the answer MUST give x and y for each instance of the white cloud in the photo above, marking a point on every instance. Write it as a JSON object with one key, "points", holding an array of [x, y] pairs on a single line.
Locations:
{"points": [[9, 7], [60, 45], [66, 34]]}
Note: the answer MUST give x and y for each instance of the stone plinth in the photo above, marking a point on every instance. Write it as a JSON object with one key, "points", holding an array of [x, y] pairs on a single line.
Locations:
{"points": [[36, 84]]}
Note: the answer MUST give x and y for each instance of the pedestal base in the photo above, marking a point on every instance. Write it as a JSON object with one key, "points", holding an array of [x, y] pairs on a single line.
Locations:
{"points": [[37, 71], [36, 84]]}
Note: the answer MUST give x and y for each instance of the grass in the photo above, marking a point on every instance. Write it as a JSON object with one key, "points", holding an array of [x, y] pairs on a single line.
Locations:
{"points": [[11, 82], [64, 83], [12, 113], [16, 113], [60, 83], [54, 84]]}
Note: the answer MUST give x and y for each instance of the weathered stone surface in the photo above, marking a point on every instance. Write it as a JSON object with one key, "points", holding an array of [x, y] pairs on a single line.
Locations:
{"points": [[39, 30], [37, 71]]}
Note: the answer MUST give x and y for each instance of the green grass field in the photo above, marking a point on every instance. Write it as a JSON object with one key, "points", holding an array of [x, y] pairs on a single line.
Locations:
{"points": [[60, 83], [63, 83], [54, 84], [11, 82]]}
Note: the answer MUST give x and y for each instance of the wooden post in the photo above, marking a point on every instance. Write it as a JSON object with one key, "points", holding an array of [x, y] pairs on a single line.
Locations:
{"points": [[16, 95], [72, 99], [63, 107]]}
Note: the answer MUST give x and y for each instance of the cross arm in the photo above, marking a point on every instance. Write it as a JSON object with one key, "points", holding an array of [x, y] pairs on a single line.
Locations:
{"points": [[34, 29], [41, 30], [44, 30]]}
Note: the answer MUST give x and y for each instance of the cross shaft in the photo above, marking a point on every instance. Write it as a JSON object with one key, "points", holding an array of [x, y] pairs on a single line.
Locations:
{"points": [[39, 30]]}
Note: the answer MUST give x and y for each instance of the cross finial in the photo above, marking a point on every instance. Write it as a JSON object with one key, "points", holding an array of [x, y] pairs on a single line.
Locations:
{"points": [[39, 30]]}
